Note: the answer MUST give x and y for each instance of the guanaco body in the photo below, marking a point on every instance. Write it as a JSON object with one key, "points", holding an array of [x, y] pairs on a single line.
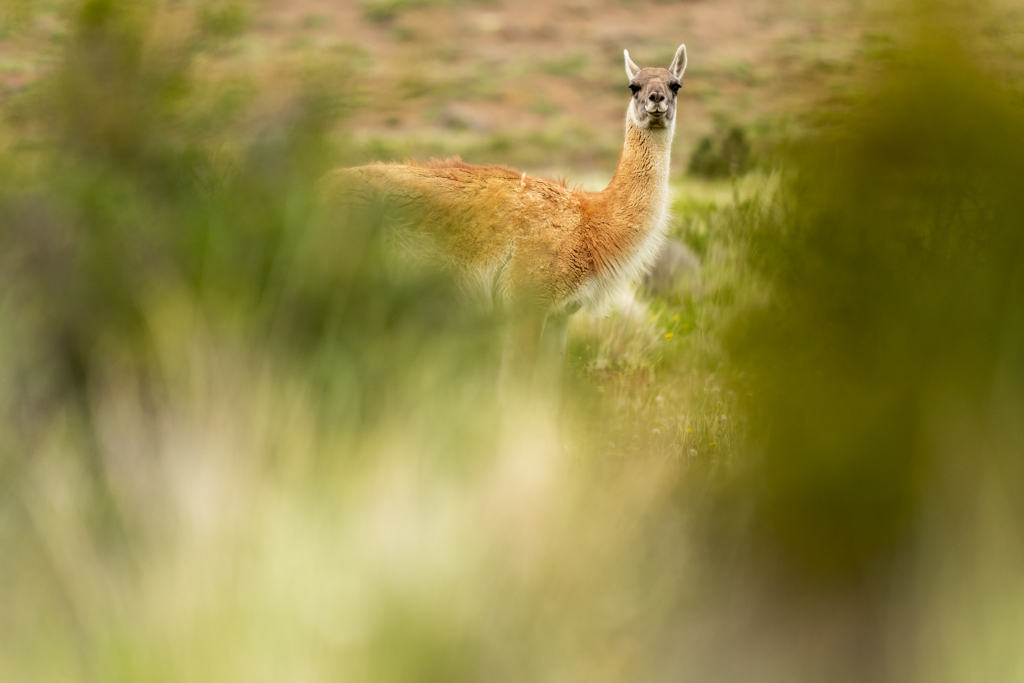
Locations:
{"points": [[539, 249]]}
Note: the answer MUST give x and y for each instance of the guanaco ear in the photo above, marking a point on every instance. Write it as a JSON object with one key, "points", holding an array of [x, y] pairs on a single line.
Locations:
{"points": [[631, 69], [679, 63]]}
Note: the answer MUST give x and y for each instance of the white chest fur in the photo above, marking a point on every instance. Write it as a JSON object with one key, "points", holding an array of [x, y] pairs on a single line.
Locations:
{"points": [[629, 267]]}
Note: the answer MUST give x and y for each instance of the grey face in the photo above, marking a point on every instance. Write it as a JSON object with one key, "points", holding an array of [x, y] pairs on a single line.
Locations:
{"points": [[654, 98], [655, 91]]}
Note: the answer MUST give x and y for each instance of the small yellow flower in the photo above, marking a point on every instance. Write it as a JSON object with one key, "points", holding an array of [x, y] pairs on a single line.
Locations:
{"points": [[669, 335], [676, 317], [713, 443], [688, 430]]}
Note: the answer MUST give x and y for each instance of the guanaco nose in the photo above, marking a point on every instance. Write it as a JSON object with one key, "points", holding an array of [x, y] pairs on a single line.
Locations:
{"points": [[657, 97]]}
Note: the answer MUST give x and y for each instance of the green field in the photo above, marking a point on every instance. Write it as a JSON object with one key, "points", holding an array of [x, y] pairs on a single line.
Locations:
{"points": [[241, 440]]}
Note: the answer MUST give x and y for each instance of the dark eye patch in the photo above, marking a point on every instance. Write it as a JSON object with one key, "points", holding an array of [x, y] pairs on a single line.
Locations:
{"points": [[675, 87], [634, 87]]}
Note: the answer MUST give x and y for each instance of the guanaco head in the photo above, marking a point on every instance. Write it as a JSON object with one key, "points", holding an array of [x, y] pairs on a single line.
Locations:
{"points": [[654, 91]]}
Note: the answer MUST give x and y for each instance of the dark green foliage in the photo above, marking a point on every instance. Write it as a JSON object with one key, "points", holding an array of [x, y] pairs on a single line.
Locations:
{"points": [[132, 198], [896, 310], [729, 156], [223, 19], [384, 11]]}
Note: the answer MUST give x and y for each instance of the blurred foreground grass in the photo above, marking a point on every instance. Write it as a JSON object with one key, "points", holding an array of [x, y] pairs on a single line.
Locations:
{"points": [[239, 441]]}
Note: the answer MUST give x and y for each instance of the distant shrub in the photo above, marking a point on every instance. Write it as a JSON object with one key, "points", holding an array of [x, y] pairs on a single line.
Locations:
{"points": [[383, 11], [386, 10], [728, 157], [223, 20], [571, 66]]}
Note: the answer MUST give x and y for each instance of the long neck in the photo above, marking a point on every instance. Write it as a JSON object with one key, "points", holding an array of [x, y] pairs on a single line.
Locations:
{"points": [[638, 193], [645, 159]]}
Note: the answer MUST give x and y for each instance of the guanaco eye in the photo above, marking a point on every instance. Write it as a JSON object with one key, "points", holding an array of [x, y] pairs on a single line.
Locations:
{"points": [[634, 87], [675, 87]]}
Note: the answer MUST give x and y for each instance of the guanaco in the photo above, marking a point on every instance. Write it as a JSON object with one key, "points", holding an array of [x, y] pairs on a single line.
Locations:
{"points": [[535, 247]]}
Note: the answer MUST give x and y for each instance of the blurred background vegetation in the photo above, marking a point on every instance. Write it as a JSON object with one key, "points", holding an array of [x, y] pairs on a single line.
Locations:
{"points": [[239, 441]]}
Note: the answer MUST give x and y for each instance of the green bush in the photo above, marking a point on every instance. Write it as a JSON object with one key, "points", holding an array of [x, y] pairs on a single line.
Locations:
{"points": [[728, 157], [895, 291]]}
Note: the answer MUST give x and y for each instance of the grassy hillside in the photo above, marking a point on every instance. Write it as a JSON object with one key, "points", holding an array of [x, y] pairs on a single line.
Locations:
{"points": [[535, 83]]}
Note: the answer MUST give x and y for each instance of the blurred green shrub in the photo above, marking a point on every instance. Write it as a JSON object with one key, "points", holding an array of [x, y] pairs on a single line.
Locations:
{"points": [[725, 157], [149, 180], [387, 10], [223, 19], [894, 277]]}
